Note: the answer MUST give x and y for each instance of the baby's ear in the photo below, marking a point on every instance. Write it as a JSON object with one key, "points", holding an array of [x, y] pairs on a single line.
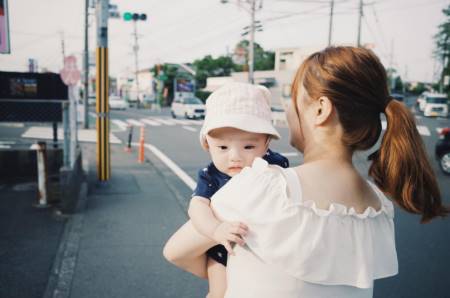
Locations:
{"points": [[205, 145]]}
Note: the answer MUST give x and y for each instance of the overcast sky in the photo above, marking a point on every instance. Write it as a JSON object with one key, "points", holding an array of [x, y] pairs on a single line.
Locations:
{"points": [[182, 31]]}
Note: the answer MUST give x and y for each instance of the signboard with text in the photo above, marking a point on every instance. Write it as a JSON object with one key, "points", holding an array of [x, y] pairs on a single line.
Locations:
{"points": [[31, 97], [4, 28]]}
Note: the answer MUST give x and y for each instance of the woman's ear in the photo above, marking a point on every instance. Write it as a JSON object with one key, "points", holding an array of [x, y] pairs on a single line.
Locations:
{"points": [[323, 110]]}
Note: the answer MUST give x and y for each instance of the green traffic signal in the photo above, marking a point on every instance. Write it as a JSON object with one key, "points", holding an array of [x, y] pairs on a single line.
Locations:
{"points": [[127, 16]]}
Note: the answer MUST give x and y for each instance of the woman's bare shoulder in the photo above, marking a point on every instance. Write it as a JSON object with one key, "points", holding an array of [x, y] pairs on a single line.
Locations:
{"points": [[328, 185]]}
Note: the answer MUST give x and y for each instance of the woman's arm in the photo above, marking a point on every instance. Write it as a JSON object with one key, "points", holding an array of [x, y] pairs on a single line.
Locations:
{"points": [[186, 249]]}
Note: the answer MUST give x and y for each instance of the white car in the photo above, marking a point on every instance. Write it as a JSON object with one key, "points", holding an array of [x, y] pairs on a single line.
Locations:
{"points": [[117, 103], [435, 105], [188, 107]]}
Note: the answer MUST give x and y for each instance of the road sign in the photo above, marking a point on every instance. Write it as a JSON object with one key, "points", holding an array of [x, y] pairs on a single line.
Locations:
{"points": [[70, 73], [4, 28]]}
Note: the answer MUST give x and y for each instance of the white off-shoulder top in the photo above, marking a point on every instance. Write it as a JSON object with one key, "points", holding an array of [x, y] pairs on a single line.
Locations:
{"points": [[293, 248]]}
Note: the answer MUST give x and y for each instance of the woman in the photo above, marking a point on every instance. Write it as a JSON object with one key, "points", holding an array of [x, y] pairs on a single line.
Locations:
{"points": [[321, 229]]}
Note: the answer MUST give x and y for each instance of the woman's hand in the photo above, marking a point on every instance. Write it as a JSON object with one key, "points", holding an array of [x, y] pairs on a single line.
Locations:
{"points": [[230, 232]]}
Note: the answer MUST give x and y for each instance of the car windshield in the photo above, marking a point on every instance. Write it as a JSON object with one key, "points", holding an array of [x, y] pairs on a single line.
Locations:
{"points": [[441, 100], [192, 101]]}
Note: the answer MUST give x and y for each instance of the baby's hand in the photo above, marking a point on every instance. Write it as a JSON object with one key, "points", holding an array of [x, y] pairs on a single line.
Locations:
{"points": [[228, 232]]}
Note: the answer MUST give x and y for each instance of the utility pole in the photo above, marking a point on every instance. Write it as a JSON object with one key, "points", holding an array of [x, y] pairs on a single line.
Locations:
{"points": [[252, 28], [102, 90], [136, 65], [330, 30], [361, 4], [86, 64], [63, 47], [251, 52]]}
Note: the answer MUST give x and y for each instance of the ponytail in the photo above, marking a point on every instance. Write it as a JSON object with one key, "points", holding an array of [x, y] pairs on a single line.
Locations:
{"points": [[401, 167]]}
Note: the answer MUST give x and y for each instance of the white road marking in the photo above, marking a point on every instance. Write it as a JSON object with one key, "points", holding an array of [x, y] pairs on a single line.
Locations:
{"points": [[423, 130], [12, 124], [418, 117], [7, 142], [195, 122], [164, 121], [150, 122], [383, 125], [182, 122], [438, 130], [84, 135], [121, 124], [289, 154], [189, 128], [135, 122], [4, 146], [171, 165]]}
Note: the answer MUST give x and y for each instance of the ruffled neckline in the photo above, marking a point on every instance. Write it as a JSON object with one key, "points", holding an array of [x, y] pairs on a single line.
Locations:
{"points": [[386, 208]]}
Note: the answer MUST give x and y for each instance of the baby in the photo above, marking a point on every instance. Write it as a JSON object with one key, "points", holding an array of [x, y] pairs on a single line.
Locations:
{"points": [[237, 129]]}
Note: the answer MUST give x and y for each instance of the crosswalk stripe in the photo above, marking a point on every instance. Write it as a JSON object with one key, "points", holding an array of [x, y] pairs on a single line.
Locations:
{"points": [[423, 130], [182, 122], [163, 121], [151, 122], [189, 128], [439, 129], [135, 122], [195, 122], [121, 124]]}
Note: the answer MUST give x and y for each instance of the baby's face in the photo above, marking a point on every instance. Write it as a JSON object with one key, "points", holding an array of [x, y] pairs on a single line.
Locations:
{"points": [[233, 149]]}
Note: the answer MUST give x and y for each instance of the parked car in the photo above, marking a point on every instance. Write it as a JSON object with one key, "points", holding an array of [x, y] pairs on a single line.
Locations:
{"points": [[435, 104], [117, 103], [188, 107], [398, 96], [442, 150]]}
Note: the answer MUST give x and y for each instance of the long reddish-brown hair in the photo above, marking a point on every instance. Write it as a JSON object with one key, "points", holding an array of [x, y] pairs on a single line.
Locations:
{"points": [[356, 83]]}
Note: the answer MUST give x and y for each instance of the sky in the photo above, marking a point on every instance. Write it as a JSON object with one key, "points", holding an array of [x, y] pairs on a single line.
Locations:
{"points": [[180, 31]]}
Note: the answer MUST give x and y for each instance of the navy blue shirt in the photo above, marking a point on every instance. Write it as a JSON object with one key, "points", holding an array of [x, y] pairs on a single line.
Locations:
{"points": [[210, 179]]}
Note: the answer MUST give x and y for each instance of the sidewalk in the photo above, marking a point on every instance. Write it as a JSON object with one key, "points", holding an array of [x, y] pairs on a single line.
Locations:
{"points": [[112, 247]]}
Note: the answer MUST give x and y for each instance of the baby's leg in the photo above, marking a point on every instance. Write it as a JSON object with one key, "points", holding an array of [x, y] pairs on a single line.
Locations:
{"points": [[217, 278], [186, 249]]}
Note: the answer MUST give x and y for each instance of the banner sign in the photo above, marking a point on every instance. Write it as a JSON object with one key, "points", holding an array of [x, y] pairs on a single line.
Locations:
{"points": [[4, 28]]}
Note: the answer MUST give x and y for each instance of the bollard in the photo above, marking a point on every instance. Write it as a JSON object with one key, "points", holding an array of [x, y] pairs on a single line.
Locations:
{"points": [[141, 146], [41, 152], [130, 137]]}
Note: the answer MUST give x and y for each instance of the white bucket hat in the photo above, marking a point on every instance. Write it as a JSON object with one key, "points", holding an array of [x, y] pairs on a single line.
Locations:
{"points": [[239, 105]]}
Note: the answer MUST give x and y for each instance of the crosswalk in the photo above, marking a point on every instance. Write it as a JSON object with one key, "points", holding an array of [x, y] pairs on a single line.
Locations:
{"points": [[190, 124], [123, 124]]}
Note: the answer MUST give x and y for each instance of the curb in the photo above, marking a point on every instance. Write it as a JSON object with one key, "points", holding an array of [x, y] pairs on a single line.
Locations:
{"points": [[63, 268]]}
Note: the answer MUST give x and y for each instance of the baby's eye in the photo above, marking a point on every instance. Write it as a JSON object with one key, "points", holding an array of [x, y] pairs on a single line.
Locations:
{"points": [[223, 147], [249, 147]]}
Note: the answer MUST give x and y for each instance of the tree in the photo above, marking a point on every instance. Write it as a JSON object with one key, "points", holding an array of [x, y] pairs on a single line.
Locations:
{"points": [[442, 47], [210, 67], [264, 60]]}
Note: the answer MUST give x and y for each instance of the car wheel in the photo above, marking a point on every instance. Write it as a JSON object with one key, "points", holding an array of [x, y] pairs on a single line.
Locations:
{"points": [[444, 162], [173, 114]]}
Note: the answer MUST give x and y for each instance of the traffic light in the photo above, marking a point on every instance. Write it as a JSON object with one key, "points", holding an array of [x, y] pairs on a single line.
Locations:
{"points": [[130, 16]]}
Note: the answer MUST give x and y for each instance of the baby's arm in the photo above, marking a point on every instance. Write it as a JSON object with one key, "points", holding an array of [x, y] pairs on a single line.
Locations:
{"points": [[207, 224]]}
